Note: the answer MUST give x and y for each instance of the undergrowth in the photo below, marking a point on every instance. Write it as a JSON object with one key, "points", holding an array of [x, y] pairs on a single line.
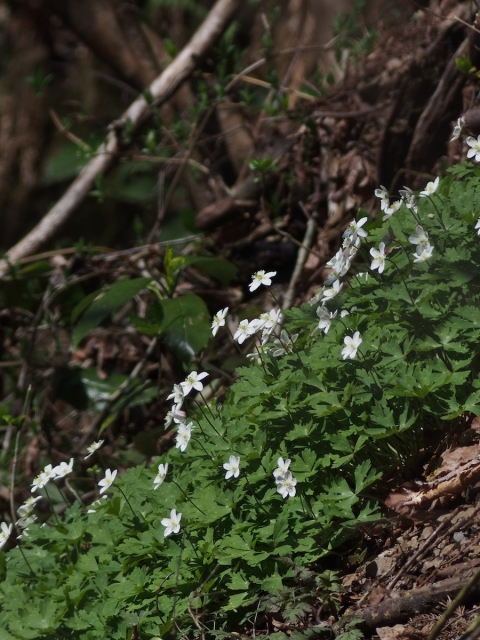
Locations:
{"points": [[238, 521]]}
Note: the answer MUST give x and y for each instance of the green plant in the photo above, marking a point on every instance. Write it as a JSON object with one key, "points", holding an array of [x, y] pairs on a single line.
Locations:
{"points": [[259, 490]]}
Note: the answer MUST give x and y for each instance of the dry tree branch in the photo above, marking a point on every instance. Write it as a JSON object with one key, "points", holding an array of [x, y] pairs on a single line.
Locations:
{"points": [[161, 89]]}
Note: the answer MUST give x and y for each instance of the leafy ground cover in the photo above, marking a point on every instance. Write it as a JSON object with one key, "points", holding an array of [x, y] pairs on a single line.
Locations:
{"points": [[241, 518]]}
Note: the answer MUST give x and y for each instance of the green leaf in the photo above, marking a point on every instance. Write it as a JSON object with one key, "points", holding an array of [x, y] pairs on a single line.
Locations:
{"points": [[186, 325], [105, 303]]}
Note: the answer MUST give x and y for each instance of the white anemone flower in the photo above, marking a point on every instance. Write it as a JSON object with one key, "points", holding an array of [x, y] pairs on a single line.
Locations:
{"points": [[28, 506], [382, 193], [63, 469], [286, 484], [379, 258], [172, 524], [351, 345], [93, 447], [332, 291], [409, 199], [423, 253], [355, 228], [192, 381], [244, 331], [430, 188], [178, 395], [282, 467], [161, 475], [5, 533], [107, 481], [175, 415], [393, 208], [260, 277], [457, 129], [326, 318], [219, 320], [184, 434], [232, 467], [477, 226], [475, 148], [420, 239]]}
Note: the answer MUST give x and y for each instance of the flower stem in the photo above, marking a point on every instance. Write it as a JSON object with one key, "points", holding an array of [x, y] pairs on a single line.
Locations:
{"points": [[187, 498]]}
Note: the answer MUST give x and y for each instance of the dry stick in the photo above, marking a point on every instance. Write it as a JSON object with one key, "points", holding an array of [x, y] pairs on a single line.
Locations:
{"points": [[426, 545], [459, 600], [161, 89], [114, 397], [301, 258]]}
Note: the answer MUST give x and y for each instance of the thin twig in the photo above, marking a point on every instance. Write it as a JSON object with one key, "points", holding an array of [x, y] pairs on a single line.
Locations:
{"points": [[161, 89], [459, 600], [301, 258]]}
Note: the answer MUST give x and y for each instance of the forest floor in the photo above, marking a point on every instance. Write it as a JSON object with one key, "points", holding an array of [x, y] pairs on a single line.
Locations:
{"points": [[389, 121]]}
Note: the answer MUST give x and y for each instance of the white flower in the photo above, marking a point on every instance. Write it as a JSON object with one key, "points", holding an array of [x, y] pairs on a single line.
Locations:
{"points": [[393, 208], [26, 521], [477, 226], [282, 467], [260, 349], [268, 320], [332, 291], [356, 228], [382, 193], [28, 506], [261, 278], [286, 484], [458, 129], [232, 467], [283, 344], [178, 395], [316, 298], [475, 150], [379, 258], [161, 474], [345, 312], [184, 434], [409, 199], [341, 262], [423, 253], [107, 482], [325, 318], [175, 415], [192, 381], [430, 188], [244, 331], [63, 469], [43, 478], [93, 447], [351, 345], [172, 524], [219, 320], [5, 533], [421, 238]]}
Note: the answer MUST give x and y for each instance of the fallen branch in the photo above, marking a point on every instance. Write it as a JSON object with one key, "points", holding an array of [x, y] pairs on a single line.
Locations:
{"points": [[161, 89], [400, 609]]}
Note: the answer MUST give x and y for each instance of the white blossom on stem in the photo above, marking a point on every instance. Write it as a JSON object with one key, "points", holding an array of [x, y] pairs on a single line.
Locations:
{"points": [[107, 481], [477, 226], [192, 381], [6, 530], [393, 208], [232, 467], [63, 469], [282, 467], [93, 447], [420, 239], [184, 434], [379, 258], [286, 484], [260, 277], [382, 193], [244, 331], [326, 318], [161, 475], [332, 291], [475, 148], [457, 129], [351, 345], [219, 320], [423, 253], [430, 188], [172, 524]]}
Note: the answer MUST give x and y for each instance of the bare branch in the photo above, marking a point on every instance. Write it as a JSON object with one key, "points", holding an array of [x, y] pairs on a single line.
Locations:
{"points": [[161, 89]]}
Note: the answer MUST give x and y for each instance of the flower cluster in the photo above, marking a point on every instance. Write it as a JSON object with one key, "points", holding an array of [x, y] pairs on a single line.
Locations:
{"points": [[51, 473], [286, 483]]}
